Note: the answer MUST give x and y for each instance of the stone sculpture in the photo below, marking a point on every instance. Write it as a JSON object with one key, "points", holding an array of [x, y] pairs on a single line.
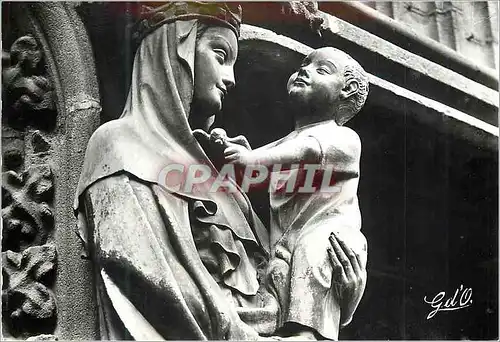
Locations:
{"points": [[27, 92], [313, 189], [29, 256], [177, 264]]}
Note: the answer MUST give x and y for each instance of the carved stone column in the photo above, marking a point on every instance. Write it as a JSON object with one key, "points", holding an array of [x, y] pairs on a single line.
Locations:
{"points": [[29, 256], [51, 107]]}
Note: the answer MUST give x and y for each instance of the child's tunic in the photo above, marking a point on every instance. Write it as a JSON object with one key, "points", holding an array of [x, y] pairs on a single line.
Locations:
{"points": [[300, 271]]}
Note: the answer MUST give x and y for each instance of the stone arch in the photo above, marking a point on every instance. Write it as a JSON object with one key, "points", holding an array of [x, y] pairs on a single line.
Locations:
{"points": [[70, 65]]}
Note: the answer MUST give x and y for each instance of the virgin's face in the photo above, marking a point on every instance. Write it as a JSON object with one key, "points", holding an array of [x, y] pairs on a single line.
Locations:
{"points": [[216, 52]]}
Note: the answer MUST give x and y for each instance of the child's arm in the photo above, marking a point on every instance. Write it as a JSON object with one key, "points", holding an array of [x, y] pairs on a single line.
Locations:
{"points": [[299, 150], [341, 150]]}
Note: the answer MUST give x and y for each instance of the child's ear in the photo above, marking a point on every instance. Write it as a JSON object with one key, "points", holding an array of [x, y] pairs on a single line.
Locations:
{"points": [[350, 88]]}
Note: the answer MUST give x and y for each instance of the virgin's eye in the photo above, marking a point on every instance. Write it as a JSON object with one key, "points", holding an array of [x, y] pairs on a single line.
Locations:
{"points": [[221, 55], [323, 71]]}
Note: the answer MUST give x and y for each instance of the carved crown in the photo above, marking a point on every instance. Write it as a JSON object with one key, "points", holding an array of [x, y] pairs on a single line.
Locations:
{"points": [[155, 15]]}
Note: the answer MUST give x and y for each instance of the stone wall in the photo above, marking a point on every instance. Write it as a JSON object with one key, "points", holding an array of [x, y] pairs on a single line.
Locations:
{"points": [[471, 28], [50, 108]]}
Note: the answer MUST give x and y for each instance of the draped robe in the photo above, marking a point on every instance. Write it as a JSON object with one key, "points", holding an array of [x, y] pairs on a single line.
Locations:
{"points": [[168, 264]]}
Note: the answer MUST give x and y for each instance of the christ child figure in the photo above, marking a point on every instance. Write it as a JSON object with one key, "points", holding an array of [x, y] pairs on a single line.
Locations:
{"points": [[327, 90]]}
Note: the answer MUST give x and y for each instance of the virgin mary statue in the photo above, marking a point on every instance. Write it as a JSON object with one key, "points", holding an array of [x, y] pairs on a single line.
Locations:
{"points": [[172, 264]]}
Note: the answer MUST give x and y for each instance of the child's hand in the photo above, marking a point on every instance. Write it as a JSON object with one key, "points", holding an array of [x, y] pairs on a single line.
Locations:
{"points": [[237, 154], [218, 136]]}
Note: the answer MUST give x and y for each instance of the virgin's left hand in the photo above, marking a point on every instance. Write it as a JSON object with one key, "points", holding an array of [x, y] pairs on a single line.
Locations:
{"points": [[349, 276]]}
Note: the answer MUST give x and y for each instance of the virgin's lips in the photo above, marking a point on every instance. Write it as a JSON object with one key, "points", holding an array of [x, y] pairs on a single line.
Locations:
{"points": [[223, 91], [301, 80]]}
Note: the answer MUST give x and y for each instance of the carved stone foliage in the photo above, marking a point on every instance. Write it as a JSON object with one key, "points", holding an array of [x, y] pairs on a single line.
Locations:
{"points": [[26, 214], [27, 302], [12, 149], [307, 11], [28, 257], [27, 94], [291, 13], [28, 252]]}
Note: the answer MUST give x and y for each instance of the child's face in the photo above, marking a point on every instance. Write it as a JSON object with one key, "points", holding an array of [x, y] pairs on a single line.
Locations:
{"points": [[319, 80]]}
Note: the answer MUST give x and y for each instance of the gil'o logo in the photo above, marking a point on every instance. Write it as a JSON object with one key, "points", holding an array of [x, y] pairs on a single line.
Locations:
{"points": [[297, 178], [461, 299]]}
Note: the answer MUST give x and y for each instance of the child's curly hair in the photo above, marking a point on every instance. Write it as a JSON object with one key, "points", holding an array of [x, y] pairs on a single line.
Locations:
{"points": [[352, 105]]}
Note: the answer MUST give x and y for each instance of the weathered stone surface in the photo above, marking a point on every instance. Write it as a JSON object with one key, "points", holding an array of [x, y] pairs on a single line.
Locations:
{"points": [[261, 44], [70, 62], [28, 305], [43, 337], [387, 60], [13, 157], [386, 23], [26, 90], [339, 28], [26, 213], [39, 143], [12, 149], [28, 255], [302, 13]]}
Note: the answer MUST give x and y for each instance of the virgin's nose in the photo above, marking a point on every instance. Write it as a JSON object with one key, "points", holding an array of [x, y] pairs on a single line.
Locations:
{"points": [[228, 78], [303, 71]]}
